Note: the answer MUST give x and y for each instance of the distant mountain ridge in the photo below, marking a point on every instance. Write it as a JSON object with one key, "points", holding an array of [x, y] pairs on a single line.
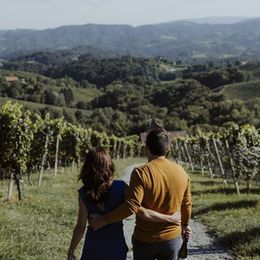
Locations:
{"points": [[219, 20], [180, 39]]}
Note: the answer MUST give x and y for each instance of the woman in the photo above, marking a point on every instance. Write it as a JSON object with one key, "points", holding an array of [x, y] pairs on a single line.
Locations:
{"points": [[99, 195]]}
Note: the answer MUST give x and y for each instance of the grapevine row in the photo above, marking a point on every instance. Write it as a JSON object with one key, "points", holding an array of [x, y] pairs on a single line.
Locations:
{"points": [[233, 154], [29, 142]]}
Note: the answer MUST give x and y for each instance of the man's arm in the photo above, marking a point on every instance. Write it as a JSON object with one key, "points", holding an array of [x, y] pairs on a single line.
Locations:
{"points": [[131, 205], [186, 212], [154, 216], [186, 205], [186, 232]]}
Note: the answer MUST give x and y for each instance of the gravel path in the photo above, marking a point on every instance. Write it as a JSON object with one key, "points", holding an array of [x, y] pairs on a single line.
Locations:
{"points": [[201, 246]]}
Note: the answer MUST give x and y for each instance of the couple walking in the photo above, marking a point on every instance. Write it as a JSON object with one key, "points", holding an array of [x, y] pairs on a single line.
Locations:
{"points": [[158, 192]]}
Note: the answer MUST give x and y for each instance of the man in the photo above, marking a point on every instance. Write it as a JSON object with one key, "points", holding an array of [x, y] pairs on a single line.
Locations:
{"points": [[160, 185]]}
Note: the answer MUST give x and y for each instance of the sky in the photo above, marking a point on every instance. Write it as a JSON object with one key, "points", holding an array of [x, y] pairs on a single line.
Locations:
{"points": [[42, 14]]}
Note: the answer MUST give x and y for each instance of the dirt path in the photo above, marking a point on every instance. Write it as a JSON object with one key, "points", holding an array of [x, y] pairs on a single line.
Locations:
{"points": [[201, 246]]}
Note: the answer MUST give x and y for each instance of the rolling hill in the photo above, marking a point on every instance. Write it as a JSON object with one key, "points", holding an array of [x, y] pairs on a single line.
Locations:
{"points": [[181, 39]]}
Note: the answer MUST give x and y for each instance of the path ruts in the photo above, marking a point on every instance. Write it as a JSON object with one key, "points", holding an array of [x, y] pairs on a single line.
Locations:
{"points": [[201, 246]]}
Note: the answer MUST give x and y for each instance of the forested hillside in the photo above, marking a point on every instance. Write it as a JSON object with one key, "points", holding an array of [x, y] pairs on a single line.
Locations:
{"points": [[121, 95]]}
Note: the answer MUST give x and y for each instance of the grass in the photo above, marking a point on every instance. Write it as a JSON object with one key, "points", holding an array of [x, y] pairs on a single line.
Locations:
{"points": [[233, 219], [85, 94], [244, 91], [40, 227], [22, 74]]}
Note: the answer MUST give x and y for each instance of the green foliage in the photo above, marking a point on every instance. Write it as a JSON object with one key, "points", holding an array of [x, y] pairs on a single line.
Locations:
{"points": [[130, 94], [244, 146], [103, 72], [219, 77], [235, 152], [16, 131], [36, 88], [29, 142]]}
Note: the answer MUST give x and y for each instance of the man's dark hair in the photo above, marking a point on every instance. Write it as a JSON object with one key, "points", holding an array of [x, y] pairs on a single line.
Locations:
{"points": [[157, 142]]}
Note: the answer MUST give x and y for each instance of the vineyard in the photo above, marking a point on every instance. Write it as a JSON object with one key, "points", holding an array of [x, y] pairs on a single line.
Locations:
{"points": [[232, 155], [243, 91], [29, 144], [33, 150], [224, 171]]}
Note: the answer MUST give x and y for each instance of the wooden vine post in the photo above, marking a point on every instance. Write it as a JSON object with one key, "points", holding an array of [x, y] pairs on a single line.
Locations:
{"points": [[59, 125], [57, 154], [119, 148], [219, 162], [208, 159], [235, 179], [188, 155], [10, 186], [184, 155], [124, 149], [44, 155], [177, 152]]}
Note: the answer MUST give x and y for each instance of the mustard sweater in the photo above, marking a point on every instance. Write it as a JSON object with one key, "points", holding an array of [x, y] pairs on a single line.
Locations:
{"points": [[160, 185]]}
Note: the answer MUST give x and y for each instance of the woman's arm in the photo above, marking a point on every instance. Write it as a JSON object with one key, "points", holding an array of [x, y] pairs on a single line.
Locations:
{"points": [[155, 216], [79, 229]]}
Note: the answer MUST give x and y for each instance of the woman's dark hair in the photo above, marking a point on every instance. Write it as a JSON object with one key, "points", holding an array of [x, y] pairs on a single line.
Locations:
{"points": [[157, 142], [97, 174]]}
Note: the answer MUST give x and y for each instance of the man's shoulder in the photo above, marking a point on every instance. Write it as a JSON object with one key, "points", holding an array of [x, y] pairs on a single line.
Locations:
{"points": [[141, 171], [177, 165], [141, 168], [174, 167], [164, 162]]}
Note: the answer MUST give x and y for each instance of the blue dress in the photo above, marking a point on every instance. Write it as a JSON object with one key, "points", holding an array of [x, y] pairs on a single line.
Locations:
{"points": [[108, 242]]}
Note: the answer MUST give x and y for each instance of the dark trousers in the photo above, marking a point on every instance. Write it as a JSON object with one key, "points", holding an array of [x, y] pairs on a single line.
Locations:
{"points": [[166, 250]]}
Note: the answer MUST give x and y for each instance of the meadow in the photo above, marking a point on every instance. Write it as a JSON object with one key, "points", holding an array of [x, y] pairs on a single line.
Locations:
{"points": [[40, 226], [233, 219]]}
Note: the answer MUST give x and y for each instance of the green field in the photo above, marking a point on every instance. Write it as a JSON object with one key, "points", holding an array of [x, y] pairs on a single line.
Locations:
{"points": [[23, 74], [244, 91], [85, 94], [40, 227]]}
